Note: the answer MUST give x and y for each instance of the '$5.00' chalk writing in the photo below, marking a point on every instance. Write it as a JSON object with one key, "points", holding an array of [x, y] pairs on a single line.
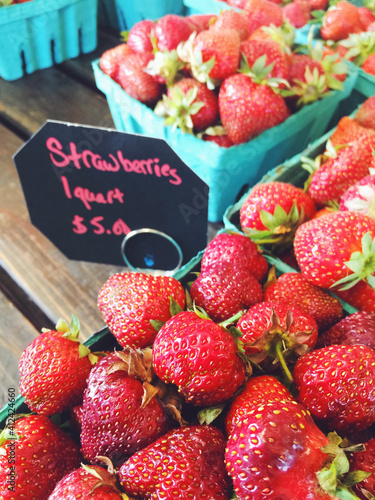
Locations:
{"points": [[119, 227], [117, 162]]}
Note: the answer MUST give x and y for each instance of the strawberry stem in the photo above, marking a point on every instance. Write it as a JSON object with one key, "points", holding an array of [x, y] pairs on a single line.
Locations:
{"points": [[283, 363]]}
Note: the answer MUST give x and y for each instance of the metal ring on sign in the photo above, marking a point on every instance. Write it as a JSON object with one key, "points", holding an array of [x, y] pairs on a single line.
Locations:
{"points": [[147, 230]]}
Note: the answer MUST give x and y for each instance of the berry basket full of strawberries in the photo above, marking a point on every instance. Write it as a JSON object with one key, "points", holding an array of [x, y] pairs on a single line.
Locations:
{"points": [[190, 388], [39, 33], [229, 99]]}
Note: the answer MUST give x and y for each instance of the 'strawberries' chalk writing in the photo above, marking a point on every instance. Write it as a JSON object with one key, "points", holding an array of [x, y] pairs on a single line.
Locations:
{"points": [[116, 162]]}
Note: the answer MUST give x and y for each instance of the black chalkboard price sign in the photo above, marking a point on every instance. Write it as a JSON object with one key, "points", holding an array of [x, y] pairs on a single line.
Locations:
{"points": [[88, 188]]}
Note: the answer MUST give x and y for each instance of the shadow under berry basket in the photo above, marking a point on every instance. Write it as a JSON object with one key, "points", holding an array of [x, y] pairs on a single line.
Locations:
{"points": [[37, 34]]}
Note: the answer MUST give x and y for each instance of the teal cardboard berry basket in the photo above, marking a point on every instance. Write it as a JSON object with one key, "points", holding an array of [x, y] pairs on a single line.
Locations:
{"points": [[227, 171], [40, 33]]}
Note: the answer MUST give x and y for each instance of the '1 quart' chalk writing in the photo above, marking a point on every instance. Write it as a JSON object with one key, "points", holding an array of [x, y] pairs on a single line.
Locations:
{"points": [[90, 159]]}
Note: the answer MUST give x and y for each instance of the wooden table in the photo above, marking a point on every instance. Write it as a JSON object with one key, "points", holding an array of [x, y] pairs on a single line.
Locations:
{"points": [[38, 284]]}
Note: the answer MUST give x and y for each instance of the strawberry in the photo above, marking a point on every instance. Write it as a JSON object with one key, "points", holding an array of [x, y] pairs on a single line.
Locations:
{"points": [[307, 78], [240, 4], [253, 49], [360, 197], [130, 302], [170, 30], [360, 296], [111, 59], [223, 290], [295, 289], [35, 455], [365, 461], [139, 38], [336, 384], [186, 463], [237, 249], [231, 19], [368, 65], [213, 55], [263, 389], [87, 483], [366, 17], [356, 328], [136, 82], [54, 369], [272, 330], [297, 13], [247, 108], [318, 4], [337, 173], [335, 250], [201, 22], [272, 212], [221, 140], [120, 394], [340, 21], [262, 13], [189, 105], [200, 357], [365, 116], [275, 452], [349, 130]]}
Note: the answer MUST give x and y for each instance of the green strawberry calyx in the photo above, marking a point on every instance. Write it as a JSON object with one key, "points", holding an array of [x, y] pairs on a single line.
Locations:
{"points": [[361, 265], [260, 71], [165, 64], [103, 480], [284, 35], [335, 477], [360, 46], [314, 87], [178, 109], [280, 226]]}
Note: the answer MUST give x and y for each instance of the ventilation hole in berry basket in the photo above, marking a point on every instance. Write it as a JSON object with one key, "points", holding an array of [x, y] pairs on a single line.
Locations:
{"points": [[52, 47], [23, 62], [80, 44]]}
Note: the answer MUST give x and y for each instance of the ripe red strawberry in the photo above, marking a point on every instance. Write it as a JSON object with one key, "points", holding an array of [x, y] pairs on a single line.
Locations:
{"points": [[140, 36], [136, 82], [213, 55], [186, 463], [360, 296], [274, 329], [337, 385], [336, 174], [111, 59], [368, 65], [130, 302], [276, 448], [247, 109], [297, 13], [54, 369], [87, 483], [365, 461], [252, 49], [272, 212], [365, 116], [200, 357], [334, 247], [221, 140], [307, 79], [356, 328], [360, 197], [263, 389], [366, 17], [35, 455], [262, 13], [170, 30], [201, 22], [318, 4], [231, 19], [349, 130], [119, 393], [189, 105], [237, 249], [295, 289], [340, 21], [224, 290]]}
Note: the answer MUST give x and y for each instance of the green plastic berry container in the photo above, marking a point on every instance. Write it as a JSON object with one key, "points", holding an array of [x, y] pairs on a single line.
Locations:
{"points": [[37, 34]]}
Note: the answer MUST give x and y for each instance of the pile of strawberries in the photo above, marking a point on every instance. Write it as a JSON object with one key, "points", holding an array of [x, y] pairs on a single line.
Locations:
{"points": [[243, 384], [225, 78]]}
